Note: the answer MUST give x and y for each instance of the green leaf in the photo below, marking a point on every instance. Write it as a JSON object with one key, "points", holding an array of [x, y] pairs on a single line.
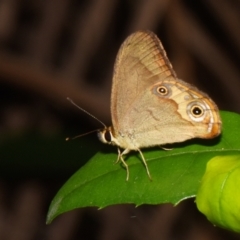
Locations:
{"points": [[219, 193], [176, 173]]}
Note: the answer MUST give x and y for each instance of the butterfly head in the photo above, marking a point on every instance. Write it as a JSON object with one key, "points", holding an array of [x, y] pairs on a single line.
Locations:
{"points": [[106, 136]]}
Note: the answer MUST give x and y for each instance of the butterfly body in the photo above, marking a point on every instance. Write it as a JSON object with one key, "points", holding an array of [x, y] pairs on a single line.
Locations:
{"points": [[149, 105]]}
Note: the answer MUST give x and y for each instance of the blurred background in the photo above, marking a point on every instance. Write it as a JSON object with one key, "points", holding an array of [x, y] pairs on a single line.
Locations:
{"points": [[53, 49]]}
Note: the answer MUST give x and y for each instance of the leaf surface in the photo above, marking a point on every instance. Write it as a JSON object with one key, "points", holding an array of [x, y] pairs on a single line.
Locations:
{"points": [[176, 173]]}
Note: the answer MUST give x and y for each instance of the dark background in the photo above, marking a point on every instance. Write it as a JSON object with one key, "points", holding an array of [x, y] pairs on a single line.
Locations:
{"points": [[53, 49]]}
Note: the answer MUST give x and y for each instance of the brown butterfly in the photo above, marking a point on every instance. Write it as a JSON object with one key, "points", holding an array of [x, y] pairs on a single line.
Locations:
{"points": [[149, 105]]}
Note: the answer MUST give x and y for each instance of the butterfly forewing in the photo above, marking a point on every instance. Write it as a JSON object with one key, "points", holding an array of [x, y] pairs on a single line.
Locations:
{"points": [[141, 62]]}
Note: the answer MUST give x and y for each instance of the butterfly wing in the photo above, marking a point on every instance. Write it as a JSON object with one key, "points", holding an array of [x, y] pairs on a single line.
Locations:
{"points": [[141, 62], [143, 114]]}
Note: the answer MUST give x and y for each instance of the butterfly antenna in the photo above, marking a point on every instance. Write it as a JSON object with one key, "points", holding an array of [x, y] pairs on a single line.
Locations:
{"points": [[71, 138], [71, 101]]}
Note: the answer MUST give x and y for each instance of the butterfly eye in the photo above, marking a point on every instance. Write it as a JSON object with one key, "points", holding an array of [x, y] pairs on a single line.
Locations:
{"points": [[162, 90], [197, 111], [107, 136]]}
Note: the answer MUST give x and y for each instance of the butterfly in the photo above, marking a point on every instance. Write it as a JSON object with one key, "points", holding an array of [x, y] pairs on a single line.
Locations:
{"points": [[150, 106]]}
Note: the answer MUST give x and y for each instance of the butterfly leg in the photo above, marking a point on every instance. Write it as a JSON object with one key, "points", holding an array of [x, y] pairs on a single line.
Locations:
{"points": [[120, 157], [145, 164], [166, 149]]}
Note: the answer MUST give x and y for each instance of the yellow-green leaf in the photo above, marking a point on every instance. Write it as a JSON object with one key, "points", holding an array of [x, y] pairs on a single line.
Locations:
{"points": [[219, 194]]}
